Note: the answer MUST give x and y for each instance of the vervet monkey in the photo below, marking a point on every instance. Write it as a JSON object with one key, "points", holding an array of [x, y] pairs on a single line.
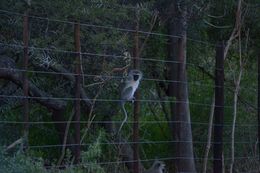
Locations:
{"points": [[131, 84], [157, 167]]}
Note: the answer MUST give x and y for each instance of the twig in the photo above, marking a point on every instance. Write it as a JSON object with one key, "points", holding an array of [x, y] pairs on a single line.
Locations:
{"points": [[217, 17], [118, 69], [215, 26], [18, 141]]}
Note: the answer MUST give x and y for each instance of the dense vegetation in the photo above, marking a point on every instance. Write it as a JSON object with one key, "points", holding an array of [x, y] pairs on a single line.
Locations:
{"points": [[51, 42]]}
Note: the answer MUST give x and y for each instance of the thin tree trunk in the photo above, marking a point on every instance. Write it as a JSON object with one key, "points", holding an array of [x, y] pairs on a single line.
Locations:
{"points": [[183, 151], [237, 86], [185, 160], [234, 120], [211, 117]]}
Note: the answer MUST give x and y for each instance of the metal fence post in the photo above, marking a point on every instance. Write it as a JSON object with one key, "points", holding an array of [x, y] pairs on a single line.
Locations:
{"points": [[219, 109], [258, 104]]}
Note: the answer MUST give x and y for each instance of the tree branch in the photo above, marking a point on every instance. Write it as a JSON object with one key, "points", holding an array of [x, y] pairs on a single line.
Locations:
{"points": [[9, 72]]}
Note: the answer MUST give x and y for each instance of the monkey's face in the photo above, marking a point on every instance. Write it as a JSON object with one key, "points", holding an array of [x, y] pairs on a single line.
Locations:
{"points": [[160, 166], [136, 74], [136, 77], [163, 170]]}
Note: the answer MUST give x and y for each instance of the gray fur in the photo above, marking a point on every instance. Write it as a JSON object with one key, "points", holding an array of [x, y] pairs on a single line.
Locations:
{"points": [[157, 167], [128, 90]]}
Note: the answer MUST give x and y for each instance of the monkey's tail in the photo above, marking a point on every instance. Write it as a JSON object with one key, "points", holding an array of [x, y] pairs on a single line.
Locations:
{"points": [[125, 119]]}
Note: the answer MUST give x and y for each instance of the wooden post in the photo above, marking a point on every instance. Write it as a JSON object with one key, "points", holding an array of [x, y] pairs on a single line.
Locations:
{"points": [[219, 109], [77, 91], [136, 65], [25, 79], [258, 105]]}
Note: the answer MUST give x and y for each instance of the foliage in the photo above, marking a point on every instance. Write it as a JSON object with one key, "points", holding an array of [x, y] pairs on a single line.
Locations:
{"points": [[19, 162]]}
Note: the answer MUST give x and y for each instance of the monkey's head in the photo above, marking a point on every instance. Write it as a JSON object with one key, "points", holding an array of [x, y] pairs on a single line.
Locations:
{"points": [[159, 165], [136, 74]]}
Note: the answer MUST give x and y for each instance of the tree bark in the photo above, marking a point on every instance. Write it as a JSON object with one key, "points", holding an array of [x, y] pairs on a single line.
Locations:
{"points": [[180, 112]]}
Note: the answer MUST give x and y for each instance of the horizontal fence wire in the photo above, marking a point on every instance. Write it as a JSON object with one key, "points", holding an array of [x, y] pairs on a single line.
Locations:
{"points": [[121, 77], [112, 100], [116, 77], [227, 124], [107, 27], [108, 56], [150, 160], [140, 142], [95, 54]]}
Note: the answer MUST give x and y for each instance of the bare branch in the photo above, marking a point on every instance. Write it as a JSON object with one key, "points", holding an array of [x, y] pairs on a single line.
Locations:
{"points": [[215, 26], [217, 17], [8, 71], [18, 141], [237, 27]]}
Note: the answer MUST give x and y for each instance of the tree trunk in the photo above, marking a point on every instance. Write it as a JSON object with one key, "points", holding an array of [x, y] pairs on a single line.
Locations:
{"points": [[180, 113]]}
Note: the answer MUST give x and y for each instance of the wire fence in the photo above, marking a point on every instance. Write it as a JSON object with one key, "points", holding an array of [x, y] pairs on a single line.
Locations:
{"points": [[198, 105], [107, 27], [227, 124], [130, 143]]}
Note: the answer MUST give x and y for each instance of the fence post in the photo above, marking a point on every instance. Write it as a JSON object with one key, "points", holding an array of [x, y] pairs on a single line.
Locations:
{"points": [[77, 91], [25, 79], [219, 109], [258, 104], [137, 98]]}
